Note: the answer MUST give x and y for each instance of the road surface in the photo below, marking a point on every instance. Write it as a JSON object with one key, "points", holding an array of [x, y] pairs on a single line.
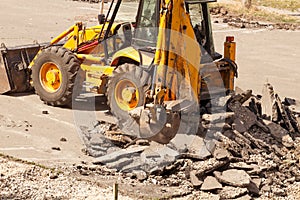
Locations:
{"points": [[27, 133]]}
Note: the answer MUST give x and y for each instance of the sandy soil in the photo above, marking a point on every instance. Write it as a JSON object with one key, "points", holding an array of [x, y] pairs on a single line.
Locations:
{"points": [[27, 133]]}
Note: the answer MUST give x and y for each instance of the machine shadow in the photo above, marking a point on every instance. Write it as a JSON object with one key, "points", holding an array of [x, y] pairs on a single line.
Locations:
{"points": [[91, 103], [20, 94]]}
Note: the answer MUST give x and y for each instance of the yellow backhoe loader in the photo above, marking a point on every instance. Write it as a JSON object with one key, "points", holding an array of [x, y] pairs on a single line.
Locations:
{"points": [[153, 71]]}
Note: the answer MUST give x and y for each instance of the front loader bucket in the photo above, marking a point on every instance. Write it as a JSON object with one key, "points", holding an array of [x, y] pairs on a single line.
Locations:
{"points": [[14, 62]]}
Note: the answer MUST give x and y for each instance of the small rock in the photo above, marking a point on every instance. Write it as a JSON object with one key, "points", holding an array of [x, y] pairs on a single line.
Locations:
{"points": [[154, 181], [291, 180], [194, 179], [252, 188], [56, 148], [256, 170], [223, 11], [207, 166], [257, 181], [221, 154], [140, 175], [266, 188], [279, 191], [205, 196], [217, 117], [63, 139], [287, 141], [45, 112], [233, 177], [84, 172], [142, 142], [53, 176], [229, 192], [245, 197], [241, 165], [211, 183]]}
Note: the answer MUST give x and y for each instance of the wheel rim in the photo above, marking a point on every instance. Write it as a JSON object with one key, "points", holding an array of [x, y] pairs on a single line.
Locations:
{"points": [[126, 95], [50, 77]]}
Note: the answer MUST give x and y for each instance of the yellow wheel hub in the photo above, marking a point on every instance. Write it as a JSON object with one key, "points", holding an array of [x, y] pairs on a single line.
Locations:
{"points": [[126, 95], [50, 77]]}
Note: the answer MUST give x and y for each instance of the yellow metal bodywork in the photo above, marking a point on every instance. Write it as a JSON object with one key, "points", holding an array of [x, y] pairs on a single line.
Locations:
{"points": [[126, 95], [179, 60], [96, 76], [128, 52], [177, 56], [229, 52], [92, 62], [50, 77], [131, 53], [82, 35]]}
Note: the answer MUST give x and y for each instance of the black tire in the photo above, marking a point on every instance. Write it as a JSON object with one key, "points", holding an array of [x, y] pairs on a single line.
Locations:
{"points": [[136, 75], [67, 63]]}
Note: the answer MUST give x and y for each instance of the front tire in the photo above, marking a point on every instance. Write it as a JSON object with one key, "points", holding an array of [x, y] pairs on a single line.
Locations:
{"points": [[53, 74], [126, 91]]}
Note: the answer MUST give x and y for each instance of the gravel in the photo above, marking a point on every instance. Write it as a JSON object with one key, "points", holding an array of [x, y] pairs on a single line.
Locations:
{"points": [[27, 181]]}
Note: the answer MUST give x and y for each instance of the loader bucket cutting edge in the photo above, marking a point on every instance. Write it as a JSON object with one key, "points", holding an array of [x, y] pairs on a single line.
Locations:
{"points": [[14, 62]]}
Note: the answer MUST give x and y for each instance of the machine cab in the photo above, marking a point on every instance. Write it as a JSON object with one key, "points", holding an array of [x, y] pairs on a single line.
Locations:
{"points": [[147, 22]]}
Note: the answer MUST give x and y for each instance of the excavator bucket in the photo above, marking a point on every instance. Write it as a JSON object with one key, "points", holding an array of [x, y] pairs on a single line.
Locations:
{"points": [[14, 62]]}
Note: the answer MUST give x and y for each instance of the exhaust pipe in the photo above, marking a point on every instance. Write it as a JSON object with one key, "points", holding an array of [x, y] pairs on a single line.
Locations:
{"points": [[14, 72]]}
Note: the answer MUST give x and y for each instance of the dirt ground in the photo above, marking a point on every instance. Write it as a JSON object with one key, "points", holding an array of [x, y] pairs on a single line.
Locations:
{"points": [[32, 131]]}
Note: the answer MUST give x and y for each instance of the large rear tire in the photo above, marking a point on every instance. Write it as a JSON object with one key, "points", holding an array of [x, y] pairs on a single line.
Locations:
{"points": [[53, 74], [126, 91]]}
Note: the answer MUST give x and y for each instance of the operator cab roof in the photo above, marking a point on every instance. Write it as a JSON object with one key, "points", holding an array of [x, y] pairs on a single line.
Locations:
{"points": [[199, 1]]}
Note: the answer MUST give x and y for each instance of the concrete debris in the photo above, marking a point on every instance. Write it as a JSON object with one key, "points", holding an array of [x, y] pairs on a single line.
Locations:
{"points": [[123, 153], [195, 180], [53, 176], [118, 163], [229, 192], [221, 154], [277, 110], [241, 165], [253, 188], [140, 175], [207, 166], [233, 177], [211, 183], [56, 148], [197, 149], [247, 151], [245, 116], [287, 141], [45, 112]]}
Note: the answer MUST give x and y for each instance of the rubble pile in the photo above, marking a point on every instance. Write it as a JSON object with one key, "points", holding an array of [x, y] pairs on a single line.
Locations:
{"points": [[240, 21], [251, 150]]}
